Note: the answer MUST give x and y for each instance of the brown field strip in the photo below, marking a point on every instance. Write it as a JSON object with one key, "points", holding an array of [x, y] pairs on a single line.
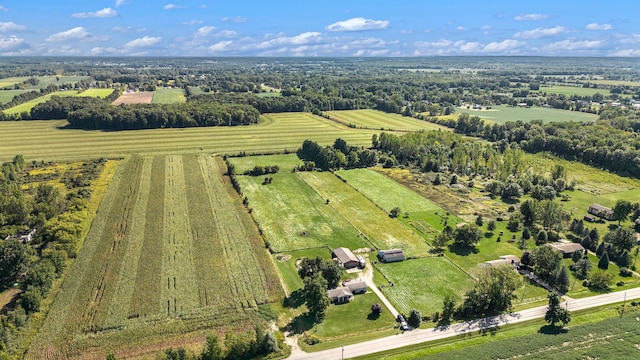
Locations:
{"points": [[140, 97]]}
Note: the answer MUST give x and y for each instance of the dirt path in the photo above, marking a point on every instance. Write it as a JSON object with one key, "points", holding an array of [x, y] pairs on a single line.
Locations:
{"points": [[367, 276]]}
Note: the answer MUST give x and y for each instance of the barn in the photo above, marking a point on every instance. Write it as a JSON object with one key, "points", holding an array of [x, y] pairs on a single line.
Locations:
{"points": [[601, 211], [391, 255], [345, 257]]}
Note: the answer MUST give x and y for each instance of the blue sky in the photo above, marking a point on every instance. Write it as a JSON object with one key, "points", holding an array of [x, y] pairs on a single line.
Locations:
{"points": [[319, 28]]}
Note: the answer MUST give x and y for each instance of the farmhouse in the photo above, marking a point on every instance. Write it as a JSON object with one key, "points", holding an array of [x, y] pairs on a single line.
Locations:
{"points": [[601, 211], [356, 287], [567, 249], [504, 260], [345, 257], [340, 295], [391, 255]]}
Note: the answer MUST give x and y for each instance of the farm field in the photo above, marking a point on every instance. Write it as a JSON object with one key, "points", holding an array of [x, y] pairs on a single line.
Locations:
{"points": [[58, 80], [285, 162], [10, 81], [275, 132], [168, 96], [99, 93], [26, 107], [503, 113], [374, 119], [153, 267], [293, 216], [375, 224], [423, 283], [140, 97], [573, 90], [8, 95]]}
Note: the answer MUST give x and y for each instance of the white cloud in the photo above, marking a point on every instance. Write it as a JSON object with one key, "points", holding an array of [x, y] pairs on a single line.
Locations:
{"points": [[596, 26], [226, 33], [11, 26], [509, 44], [629, 38], [541, 32], [573, 45], [358, 24], [237, 19], [486, 28], [172, 7], [403, 31], [77, 33], [127, 29], [2, 8], [121, 2], [626, 53], [145, 41], [461, 28], [205, 31], [192, 22], [531, 17], [104, 13], [11, 43], [363, 52], [221, 46], [448, 47], [301, 39]]}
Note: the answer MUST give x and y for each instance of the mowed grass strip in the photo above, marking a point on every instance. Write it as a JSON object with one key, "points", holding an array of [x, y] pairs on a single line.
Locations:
{"points": [[374, 119], [379, 228], [503, 113], [285, 162], [144, 300], [169, 96], [385, 192], [8, 95], [423, 284], [95, 92], [46, 140], [27, 106], [293, 216]]}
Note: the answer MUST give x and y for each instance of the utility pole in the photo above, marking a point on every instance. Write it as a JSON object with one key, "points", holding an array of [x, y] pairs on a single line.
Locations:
{"points": [[624, 303], [343, 353]]}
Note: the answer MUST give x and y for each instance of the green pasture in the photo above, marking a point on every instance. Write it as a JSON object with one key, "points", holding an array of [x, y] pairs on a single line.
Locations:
{"points": [[293, 216], [374, 223], [423, 283], [577, 290], [59, 80], [286, 264], [196, 90], [276, 132], [8, 95], [27, 106], [10, 81], [95, 92], [168, 96], [504, 113], [285, 162], [374, 119], [385, 192], [573, 90], [615, 82]]}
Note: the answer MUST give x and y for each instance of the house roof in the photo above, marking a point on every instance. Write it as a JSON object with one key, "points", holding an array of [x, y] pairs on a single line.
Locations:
{"points": [[567, 248], [511, 258], [354, 285], [339, 292], [600, 208], [344, 255], [498, 262], [390, 251]]}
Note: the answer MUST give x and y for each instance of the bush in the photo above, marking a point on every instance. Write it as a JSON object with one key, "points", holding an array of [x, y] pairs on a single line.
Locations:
{"points": [[415, 318], [625, 272]]}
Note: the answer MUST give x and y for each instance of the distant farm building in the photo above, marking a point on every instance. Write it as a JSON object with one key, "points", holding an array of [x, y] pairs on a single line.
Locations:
{"points": [[23, 237], [601, 211], [345, 257], [340, 295], [392, 255], [504, 260], [567, 249]]}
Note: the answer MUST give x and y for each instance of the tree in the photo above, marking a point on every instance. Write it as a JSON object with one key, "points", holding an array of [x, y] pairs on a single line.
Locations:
{"points": [[576, 256], [329, 269], [493, 292], [526, 233], [601, 248], [541, 238], [621, 210], [547, 261], [621, 238], [527, 259], [315, 293], [437, 180], [30, 300], [604, 261], [492, 225], [624, 260], [453, 180], [415, 318], [594, 235], [15, 259], [376, 309], [467, 235], [555, 312], [448, 309], [512, 191], [528, 211], [561, 279], [441, 240], [600, 278], [479, 220], [395, 212], [212, 349], [586, 242], [582, 268]]}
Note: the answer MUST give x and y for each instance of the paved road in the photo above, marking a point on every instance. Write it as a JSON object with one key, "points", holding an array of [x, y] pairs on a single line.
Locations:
{"points": [[423, 335]]}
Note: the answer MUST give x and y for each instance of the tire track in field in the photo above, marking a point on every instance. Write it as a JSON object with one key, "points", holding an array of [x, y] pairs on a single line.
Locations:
{"points": [[249, 283], [178, 280]]}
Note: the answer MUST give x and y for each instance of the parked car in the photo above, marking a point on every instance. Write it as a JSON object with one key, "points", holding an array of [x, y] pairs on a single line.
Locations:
{"points": [[403, 323]]}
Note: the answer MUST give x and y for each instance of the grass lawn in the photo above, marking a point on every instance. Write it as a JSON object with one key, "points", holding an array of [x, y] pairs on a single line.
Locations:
{"points": [[385, 192], [26, 107], [572, 90], [374, 119], [376, 225], [169, 96], [99, 93], [8, 95], [286, 263], [502, 113], [353, 317], [293, 216], [576, 289], [423, 283], [286, 162]]}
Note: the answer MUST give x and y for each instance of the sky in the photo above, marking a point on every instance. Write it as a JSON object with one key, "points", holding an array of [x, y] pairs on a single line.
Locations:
{"points": [[351, 28]]}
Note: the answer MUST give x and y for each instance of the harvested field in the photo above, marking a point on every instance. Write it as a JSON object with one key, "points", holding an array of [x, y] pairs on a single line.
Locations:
{"points": [[99, 93], [374, 119], [140, 97], [169, 96]]}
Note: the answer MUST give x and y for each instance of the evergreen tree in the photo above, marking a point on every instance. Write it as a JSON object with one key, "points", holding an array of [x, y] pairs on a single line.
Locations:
{"points": [[624, 260], [562, 279], [600, 249], [555, 312], [604, 261], [415, 318]]}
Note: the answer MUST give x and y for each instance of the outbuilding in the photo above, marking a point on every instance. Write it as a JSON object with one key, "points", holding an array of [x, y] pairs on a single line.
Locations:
{"points": [[391, 255], [601, 211], [345, 257]]}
